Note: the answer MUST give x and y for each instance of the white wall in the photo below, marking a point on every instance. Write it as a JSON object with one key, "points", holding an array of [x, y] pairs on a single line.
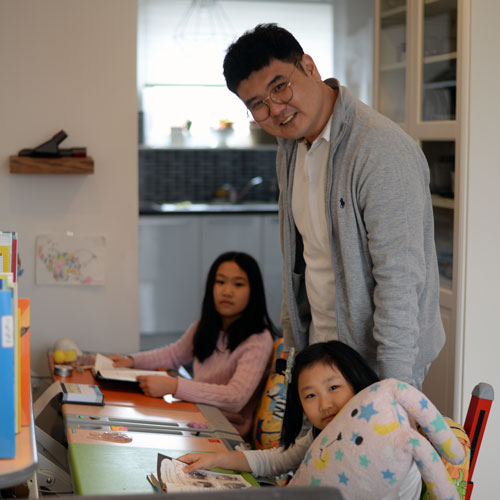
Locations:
{"points": [[71, 64], [353, 46], [481, 235]]}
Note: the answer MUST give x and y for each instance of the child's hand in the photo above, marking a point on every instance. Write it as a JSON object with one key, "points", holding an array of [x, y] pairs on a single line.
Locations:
{"points": [[232, 460], [197, 461], [156, 386], [122, 361]]}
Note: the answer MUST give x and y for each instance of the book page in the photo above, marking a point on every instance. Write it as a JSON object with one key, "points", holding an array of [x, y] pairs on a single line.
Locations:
{"points": [[175, 479], [103, 366]]}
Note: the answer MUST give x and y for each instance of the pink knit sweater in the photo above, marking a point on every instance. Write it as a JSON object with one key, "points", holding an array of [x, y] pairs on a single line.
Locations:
{"points": [[228, 380]]}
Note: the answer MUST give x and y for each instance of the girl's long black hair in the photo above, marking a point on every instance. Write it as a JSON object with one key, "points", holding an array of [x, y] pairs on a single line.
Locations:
{"points": [[348, 361], [254, 319]]}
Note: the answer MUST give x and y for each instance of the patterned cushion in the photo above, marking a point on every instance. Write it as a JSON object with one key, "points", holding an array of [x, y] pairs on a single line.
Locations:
{"points": [[269, 416], [458, 473]]}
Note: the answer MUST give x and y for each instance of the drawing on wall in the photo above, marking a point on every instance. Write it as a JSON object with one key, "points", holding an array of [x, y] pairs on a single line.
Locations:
{"points": [[66, 259]]}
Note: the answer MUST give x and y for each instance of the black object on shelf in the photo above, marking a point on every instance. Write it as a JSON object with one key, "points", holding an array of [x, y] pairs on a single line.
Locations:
{"points": [[50, 149]]}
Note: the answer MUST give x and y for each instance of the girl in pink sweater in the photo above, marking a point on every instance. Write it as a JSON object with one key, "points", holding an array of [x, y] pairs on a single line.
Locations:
{"points": [[230, 345]]}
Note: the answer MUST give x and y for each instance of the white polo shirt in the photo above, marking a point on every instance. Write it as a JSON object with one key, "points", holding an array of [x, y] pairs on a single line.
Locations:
{"points": [[309, 213]]}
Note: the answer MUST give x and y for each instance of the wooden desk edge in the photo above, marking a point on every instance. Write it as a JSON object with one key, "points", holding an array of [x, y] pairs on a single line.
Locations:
{"points": [[15, 471]]}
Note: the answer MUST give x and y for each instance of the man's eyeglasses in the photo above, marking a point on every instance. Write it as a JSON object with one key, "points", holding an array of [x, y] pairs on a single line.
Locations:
{"points": [[281, 93]]}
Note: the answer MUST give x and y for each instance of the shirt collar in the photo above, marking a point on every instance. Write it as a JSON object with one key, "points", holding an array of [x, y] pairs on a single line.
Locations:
{"points": [[324, 134]]}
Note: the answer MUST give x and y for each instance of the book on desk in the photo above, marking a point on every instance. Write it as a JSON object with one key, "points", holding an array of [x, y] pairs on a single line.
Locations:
{"points": [[172, 478], [103, 369], [86, 394]]}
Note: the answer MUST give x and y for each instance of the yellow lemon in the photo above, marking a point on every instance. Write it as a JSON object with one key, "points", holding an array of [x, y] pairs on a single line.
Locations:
{"points": [[59, 356], [70, 355]]}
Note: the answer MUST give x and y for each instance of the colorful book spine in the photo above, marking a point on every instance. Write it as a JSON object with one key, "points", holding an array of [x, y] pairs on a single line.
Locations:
{"points": [[5, 251], [7, 283], [24, 307], [7, 367], [8, 253], [13, 257]]}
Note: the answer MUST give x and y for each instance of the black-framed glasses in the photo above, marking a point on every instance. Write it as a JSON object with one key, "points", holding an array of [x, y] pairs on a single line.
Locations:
{"points": [[281, 93]]}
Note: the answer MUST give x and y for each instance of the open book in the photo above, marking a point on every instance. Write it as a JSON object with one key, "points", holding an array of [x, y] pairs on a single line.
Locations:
{"points": [[173, 478], [103, 368]]}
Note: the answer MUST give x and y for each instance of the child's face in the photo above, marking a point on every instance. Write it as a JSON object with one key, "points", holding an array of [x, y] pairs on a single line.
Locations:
{"points": [[231, 292], [323, 391]]}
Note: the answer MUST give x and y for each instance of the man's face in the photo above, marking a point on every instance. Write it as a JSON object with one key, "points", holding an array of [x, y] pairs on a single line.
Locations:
{"points": [[304, 114]]}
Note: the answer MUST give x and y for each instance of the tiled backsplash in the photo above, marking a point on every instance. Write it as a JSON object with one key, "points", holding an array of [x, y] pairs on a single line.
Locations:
{"points": [[174, 175]]}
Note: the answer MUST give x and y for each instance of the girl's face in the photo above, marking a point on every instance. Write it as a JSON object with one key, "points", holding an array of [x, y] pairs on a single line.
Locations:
{"points": [[231, 292], [323, 391]]}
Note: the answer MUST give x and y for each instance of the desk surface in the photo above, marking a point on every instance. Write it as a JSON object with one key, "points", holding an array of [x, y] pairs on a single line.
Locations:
{"points": [[114, 469], [169, 414], [107, 461], [119, 393]]}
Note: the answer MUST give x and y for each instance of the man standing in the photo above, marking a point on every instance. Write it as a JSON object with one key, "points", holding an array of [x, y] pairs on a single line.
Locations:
{"points": [[356, 220]]}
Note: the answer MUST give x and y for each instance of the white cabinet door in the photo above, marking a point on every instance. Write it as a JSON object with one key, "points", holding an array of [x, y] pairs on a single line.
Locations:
{"points": [[438, 383], [416, 62], [169, 273], [223, 233], [176, 252], [271, 265]]}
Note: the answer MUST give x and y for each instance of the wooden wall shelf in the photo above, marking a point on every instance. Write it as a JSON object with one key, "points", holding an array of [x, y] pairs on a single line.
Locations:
{"points": [[62, 165]]}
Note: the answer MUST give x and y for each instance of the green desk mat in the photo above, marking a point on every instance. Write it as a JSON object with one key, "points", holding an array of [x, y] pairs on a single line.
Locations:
{"points": [[112, 470]]}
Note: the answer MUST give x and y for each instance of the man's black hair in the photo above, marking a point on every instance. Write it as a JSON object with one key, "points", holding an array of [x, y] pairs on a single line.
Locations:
{"points": [[255, 49]]}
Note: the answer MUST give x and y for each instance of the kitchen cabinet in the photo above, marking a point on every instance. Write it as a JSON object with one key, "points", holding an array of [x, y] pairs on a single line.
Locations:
{"points": [[176, 252], [170, 289], [271, 265], [417, 69], [228, 232]]}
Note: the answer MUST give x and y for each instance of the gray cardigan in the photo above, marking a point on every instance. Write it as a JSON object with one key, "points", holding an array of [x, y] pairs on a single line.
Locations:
{"points": [[381, 225]]}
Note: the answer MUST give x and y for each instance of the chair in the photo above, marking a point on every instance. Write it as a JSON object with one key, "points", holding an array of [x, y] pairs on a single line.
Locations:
{"points": [[475, 424], [268, 418], [470, 435]]}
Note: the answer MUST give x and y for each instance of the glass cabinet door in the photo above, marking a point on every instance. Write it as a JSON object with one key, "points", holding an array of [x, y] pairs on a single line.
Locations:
{"points": [[392, 57], [439, 63], [441, 158]]}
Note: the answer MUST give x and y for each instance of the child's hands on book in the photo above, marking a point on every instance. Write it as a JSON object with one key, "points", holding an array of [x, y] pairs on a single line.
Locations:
{"points": [[122, 361], [231, 460], [157, 387]]}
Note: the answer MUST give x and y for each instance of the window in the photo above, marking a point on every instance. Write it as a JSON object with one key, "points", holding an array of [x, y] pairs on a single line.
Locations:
{"points": [[180, 77]]}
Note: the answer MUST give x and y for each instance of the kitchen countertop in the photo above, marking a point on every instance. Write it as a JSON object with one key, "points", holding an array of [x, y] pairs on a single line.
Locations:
{"points": [[148, 208]]}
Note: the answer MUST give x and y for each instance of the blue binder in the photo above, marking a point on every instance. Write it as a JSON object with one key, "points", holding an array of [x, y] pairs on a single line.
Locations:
{"points": [[7, 389]]}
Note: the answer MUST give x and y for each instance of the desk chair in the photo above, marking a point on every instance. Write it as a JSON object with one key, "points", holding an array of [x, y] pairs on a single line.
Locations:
{"points": [[475, 424], [470, 435]]}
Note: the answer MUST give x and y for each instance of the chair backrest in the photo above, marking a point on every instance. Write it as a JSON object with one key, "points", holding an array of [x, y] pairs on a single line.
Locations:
{"points": [[475, 424], [268, 419]]}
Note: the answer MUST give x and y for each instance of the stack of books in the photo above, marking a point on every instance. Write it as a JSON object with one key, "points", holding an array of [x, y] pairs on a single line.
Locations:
{"points": [[15, 390]]}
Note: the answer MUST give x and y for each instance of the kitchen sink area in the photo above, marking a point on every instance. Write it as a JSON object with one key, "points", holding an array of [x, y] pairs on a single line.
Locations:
{"points": [[153, 208]]}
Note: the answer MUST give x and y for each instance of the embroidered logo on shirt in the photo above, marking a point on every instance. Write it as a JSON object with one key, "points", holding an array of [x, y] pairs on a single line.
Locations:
{"points": [[342, 203]]}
